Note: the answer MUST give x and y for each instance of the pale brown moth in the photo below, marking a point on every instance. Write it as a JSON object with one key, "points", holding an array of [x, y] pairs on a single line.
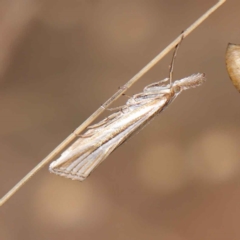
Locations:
{"points": [[79, 160], [233, 64]]}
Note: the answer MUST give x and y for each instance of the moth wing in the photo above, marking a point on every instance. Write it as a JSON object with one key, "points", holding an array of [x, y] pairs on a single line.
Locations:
{"points": [[83, 156], [80, 168]]}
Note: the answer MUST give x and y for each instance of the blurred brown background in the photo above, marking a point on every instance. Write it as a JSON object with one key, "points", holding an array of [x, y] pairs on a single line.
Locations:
{"points": [[178, 179]]}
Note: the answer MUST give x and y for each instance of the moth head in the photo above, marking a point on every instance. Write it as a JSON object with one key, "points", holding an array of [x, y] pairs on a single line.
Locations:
{"points": [[192, 81]]}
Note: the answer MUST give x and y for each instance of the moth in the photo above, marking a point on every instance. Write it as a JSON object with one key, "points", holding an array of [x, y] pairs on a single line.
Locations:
{"points": [[86, 153]]}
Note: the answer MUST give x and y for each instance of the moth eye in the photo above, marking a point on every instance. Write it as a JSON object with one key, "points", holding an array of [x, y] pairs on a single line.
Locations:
{"points": [[176, 89]]}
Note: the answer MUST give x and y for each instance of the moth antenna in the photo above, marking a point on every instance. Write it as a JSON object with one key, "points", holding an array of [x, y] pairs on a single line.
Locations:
{"points": [[173, 59]]}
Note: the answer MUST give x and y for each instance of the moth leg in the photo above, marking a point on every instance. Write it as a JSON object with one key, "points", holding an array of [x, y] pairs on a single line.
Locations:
{"points": [[146, 96], [88, 134], [115, 108], [125, 95], [122, 87], [157, 86], [112, 109], [85, 135], [106, 121]]}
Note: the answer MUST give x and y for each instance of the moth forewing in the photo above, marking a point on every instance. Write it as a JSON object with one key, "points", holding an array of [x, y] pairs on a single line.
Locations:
{"points": [[87, 153], [79, 160]]}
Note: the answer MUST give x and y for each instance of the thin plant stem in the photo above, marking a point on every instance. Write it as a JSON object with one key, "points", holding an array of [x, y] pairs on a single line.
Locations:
{"points": [[73, 136]]}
